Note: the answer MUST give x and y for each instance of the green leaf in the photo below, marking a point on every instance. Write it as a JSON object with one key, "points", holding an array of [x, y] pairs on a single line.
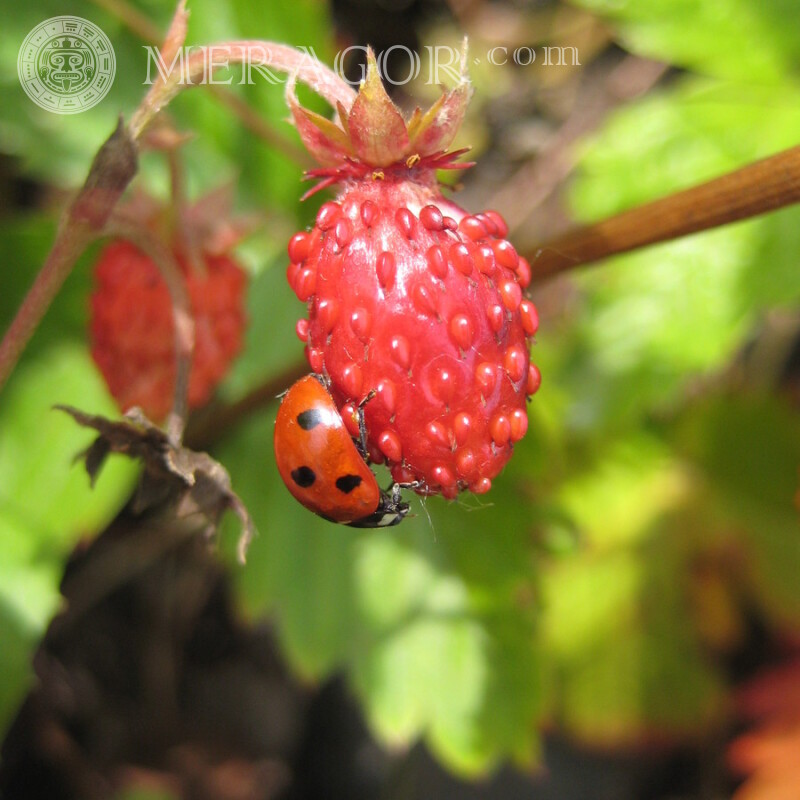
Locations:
{"points": [[732, 39], [749, 449], [40, 483], [652, 319], [622, 655], [272, 310], [58, 148], [675, 138], [442, 655], [771, 276], [298, 565], [427, 621], [228, 150], [614, 501], [428, 675], [29, 585], [46, 502], [28, 598]]}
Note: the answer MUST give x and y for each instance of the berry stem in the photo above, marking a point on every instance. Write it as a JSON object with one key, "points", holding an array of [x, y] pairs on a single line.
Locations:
{"points": [[203, 62], [759, 187], [133, 19], [178, 208]]}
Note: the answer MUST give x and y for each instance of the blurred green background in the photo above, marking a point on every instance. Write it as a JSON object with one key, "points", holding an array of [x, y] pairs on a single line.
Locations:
{"points": [[644, 541]]}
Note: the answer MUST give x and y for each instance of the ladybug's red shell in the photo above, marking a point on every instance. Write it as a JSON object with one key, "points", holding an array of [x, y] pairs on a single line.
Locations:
{"points": [[319, 462]]}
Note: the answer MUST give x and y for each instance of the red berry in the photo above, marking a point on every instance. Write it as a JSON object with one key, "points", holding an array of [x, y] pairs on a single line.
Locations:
{"points": [[415, 307], [132, 330], [452, 345]]}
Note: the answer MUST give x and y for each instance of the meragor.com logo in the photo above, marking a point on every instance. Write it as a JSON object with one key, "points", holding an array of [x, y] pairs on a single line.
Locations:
{"points": [[66, 65]]}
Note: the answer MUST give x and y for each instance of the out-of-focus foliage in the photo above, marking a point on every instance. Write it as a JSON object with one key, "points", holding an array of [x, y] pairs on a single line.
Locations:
{"points": [[708, 531], [601, 581]]}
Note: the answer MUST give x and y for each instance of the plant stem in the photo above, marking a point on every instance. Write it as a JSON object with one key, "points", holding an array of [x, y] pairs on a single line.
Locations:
{"points": [[261, 127], [65, 251], [204, 62], [132, 18], [112, 170], [757, 188]]}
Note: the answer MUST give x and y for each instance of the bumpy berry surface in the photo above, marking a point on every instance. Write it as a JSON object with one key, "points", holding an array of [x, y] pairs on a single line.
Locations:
{"points": [[415, 303], [132, 331]]}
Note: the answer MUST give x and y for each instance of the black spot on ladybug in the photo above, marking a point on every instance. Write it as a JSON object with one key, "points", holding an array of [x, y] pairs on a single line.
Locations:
{"points": [[346, 483], [304, 476], [309, 419]]}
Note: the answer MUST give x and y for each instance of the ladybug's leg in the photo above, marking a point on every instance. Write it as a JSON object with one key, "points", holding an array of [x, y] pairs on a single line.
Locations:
{"points": [[323, 379], [362, 425], [395, 490]]}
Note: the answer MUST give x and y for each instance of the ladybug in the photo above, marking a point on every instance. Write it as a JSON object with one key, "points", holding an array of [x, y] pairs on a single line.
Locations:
{"points": [[322, 466]]}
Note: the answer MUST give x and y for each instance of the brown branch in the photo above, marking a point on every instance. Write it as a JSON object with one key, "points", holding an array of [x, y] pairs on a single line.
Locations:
{"points": [[755, 189]]}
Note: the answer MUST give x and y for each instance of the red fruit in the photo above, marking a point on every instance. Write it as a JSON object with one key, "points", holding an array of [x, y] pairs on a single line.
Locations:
{"points": [[132, 330], [411, 300]]}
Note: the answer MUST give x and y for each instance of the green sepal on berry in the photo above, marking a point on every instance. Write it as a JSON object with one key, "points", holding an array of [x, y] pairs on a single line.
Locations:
{"points": [[373, 132]]}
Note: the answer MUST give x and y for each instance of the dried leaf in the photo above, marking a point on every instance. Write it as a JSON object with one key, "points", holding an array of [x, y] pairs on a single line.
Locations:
{"points": [[193, 483]]}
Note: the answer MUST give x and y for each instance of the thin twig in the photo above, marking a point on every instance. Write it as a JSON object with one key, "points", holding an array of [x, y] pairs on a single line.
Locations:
{"points": [[177, 189], [755, 189], [65, 251], [260, 127], [537, 179]]}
